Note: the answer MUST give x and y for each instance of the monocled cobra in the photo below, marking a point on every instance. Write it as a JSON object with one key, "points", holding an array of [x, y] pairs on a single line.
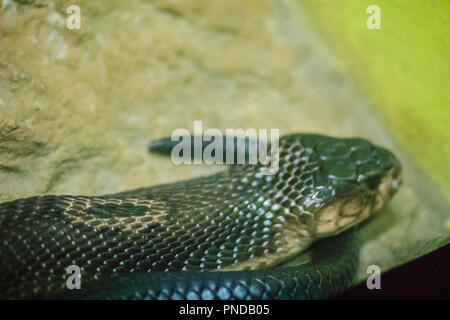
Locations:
{"points": [[230, 235]]}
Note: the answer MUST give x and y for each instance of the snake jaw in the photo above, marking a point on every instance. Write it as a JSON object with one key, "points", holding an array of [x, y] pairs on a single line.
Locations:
{"points": [[383, 193], [387, 188], [359, 188]]}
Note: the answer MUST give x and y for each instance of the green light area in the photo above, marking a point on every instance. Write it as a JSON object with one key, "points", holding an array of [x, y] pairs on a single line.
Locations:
{"points": [[403, 68]]}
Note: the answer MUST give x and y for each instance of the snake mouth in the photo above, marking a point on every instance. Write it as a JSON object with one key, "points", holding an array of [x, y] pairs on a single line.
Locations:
{"points": [[347, 212], [388, 186]]}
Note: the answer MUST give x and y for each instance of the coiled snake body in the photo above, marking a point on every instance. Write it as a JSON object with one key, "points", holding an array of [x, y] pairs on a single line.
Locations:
{"points": [[164, 242]]}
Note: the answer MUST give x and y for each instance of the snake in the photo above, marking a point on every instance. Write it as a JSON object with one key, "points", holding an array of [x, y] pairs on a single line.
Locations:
{"points": [[235, 234]]}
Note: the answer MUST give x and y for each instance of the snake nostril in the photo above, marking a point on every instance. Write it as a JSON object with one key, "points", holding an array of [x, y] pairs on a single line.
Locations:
{"points": [[397, 178], [396, 183], [397, 169]]}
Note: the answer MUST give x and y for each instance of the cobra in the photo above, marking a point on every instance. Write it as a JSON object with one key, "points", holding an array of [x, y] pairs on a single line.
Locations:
{"points": [[230, 235]]}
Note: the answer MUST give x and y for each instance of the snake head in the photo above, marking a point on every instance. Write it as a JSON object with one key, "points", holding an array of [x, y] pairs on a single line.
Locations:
{"points": [[339, 182]]}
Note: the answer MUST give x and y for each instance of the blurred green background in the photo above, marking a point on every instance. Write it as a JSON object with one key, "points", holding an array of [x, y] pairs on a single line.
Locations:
{"points": [[403, 69]]}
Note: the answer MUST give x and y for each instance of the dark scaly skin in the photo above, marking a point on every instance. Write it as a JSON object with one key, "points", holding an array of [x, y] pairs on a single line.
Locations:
{"points": [[135, 244], [330, 270]]}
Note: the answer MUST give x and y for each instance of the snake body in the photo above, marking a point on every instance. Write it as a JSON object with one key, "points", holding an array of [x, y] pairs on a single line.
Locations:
{"points": [[224, 236]]}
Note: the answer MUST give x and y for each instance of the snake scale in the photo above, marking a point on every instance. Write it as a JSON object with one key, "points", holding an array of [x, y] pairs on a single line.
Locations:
{"points": [[230, 235]]}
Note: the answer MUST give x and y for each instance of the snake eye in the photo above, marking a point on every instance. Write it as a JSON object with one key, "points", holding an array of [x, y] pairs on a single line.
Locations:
{"points": [[373, 182]]}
